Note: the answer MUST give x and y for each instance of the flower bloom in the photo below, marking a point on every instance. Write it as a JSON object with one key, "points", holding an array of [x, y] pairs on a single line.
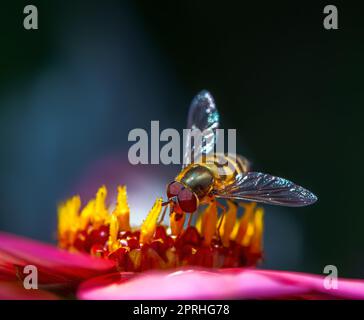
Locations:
{"points": [[212, 243], [102, 257]]}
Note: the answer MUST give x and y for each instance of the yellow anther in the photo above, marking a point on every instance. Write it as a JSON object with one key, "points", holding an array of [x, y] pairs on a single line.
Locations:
{"points": [[209, 222], [87, 213], [135, 257], [122, 210], [198, 224], [228, 223], [171, 258], [177, 222], [256, 243], [113, 242], [248, 234], [101, 213], [68, 220], [62, 219], [150, 223], [68, 214], [244, 225]]}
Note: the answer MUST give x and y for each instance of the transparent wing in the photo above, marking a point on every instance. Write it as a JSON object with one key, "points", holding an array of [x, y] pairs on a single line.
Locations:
{"points": [[261, 187], [203, 120]]}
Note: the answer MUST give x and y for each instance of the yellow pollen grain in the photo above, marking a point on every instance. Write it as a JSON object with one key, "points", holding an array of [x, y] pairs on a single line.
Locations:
{"points": [[150, 223]]}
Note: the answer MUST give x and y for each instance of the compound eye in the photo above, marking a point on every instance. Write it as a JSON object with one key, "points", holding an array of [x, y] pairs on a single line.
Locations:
{"points": [[173, 189], [187, 201]]}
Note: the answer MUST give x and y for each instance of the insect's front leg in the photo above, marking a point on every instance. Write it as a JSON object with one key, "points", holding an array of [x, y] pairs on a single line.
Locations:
{"points": [[166, 205], [189, 220]]}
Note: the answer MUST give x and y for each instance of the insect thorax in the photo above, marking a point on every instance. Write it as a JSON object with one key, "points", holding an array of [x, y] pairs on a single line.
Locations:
{"points": [[198, 178]]}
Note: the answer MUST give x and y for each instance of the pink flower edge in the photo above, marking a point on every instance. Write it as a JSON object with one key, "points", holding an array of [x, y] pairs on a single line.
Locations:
{"points": [[223, 284], [51, 261], [11, 290]]}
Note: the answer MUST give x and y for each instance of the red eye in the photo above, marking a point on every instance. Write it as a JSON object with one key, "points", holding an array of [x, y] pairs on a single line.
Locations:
{"points": [[187, 200], [173, 189]]}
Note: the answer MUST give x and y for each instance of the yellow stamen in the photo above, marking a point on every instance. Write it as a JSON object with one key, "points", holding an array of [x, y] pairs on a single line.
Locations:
{"points": [[87, 213], [172, 258], [228, 223], [248, 234], [198, 224], [150, 223], [256, 244], [113, 242], [177, 225], [209, 222], [68, 218], [122, 209], [135, 257], [62, 220], [244, 228], [100, 213]]}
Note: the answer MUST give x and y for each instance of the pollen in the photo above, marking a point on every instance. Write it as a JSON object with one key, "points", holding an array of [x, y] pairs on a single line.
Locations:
{"points": [[220, 238]]}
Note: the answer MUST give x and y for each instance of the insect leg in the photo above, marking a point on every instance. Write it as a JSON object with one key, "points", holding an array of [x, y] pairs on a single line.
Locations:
{"points": [[166, 205], [189, 220]]}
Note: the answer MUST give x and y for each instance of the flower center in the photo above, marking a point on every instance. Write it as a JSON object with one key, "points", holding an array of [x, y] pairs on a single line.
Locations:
{"points": [[215, 241]]}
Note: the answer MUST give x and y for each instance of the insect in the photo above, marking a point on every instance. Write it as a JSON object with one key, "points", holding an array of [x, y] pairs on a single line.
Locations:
{"points": [[207, 179]]}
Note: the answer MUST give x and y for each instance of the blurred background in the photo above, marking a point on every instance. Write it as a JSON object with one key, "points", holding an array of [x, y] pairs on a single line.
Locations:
{"points": [[71, 91]]}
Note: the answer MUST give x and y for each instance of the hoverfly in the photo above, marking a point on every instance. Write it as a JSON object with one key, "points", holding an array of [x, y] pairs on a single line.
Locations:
{"points": [[206, 179]]}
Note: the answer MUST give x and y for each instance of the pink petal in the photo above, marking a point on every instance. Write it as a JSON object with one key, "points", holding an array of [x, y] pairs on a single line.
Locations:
{"points": [[220, 284], [54, 265], [107, 279], [193, 284], [346, 289], [15, 291]]}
